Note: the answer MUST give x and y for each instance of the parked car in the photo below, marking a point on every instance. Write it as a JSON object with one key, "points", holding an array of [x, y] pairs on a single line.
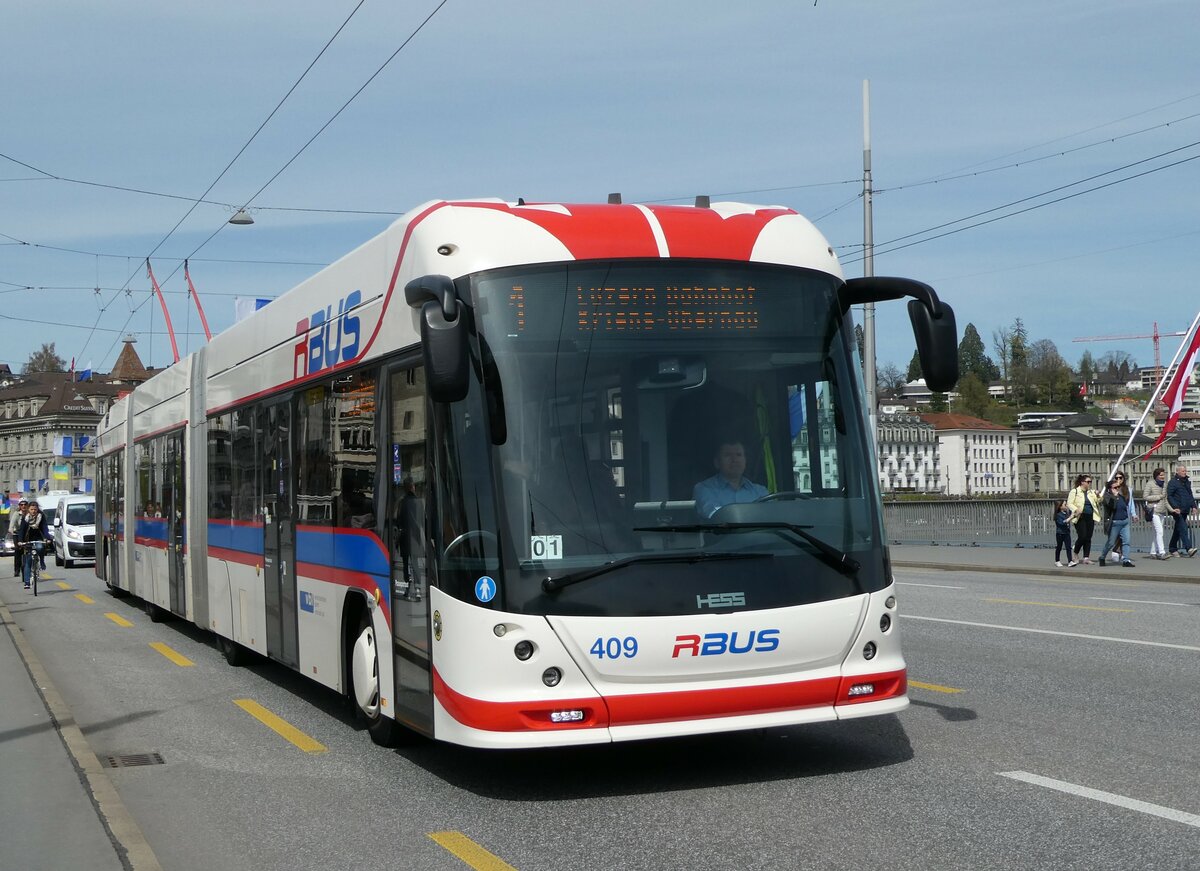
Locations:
{"points": [[74, 529]]}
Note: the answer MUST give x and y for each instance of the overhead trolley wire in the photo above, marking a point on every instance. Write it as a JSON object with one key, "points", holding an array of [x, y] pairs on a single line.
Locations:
{"points": [[254, 135], [304, 147]]}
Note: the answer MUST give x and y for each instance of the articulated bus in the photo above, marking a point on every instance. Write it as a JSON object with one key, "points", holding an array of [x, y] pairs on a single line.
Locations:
{"points": [[518, 475]]}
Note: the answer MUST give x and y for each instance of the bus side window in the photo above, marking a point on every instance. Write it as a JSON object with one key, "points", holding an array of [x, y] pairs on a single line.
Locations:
{"points": [[408, 482]]}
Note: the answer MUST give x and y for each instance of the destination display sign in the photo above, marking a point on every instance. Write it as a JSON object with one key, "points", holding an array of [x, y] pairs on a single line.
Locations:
{"points": [[666, 309]]}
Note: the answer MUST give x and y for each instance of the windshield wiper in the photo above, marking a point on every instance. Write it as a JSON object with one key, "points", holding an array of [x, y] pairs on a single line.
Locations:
{"points": [[550, 585], [828, 554]]}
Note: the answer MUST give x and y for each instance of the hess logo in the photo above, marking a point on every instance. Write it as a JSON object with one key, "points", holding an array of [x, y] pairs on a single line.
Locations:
{"points": [[717, 643], [329, 337]]}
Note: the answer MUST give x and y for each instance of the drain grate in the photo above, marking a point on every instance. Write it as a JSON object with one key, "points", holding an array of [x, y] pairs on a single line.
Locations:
{"points": [[132, 760]]}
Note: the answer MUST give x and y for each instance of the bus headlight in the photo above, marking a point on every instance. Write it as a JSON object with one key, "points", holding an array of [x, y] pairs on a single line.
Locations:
{"points": [[869, 650], [523, 650], [551, 676], [885, 623]]}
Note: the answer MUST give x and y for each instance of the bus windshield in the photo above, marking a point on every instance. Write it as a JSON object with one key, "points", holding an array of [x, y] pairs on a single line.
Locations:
{"points": [[671, 437]]}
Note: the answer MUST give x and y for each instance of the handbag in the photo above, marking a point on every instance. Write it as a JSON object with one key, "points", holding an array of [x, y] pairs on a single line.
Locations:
{"points": [[1147, 512]]}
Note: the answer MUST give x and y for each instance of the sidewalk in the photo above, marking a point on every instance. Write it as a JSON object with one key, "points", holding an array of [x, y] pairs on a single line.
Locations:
{"points": [[1039, 561], [47, 816]]}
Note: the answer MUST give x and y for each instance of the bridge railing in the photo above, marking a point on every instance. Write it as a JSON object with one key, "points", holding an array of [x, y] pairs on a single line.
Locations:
{"points": [[988, 522]]}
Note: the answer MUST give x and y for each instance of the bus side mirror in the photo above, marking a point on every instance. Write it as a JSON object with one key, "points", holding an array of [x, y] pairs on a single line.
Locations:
{"points": [[443, 336], [933, 323], [937, 345]]}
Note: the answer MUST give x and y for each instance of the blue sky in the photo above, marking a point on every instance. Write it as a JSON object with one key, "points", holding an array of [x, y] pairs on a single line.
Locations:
{"points": [[760, 102]]}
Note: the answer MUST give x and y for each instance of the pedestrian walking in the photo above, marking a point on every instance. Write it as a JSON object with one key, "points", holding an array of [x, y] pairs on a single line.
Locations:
{"points": [[1118, 514], [1180, 503], [1154, 509], [1062, 534], [1085, 511], [14, 521]]}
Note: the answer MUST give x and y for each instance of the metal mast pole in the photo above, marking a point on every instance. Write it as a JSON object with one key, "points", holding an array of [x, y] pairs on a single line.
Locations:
{"points": [[868, 262]]}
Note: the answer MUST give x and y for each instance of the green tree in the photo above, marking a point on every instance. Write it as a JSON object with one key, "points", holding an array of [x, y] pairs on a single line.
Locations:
{"points": [[973, 396], [937, 402], [972, 357], [860, 340], [914, 368], [45, 360], [1087, 367]]}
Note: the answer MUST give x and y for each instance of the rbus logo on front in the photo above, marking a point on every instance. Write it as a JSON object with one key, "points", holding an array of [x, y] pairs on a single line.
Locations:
{"points": [[718, 643], [328, 338]]}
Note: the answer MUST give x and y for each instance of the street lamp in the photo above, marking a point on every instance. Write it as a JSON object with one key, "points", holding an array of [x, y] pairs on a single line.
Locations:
{"points": [[242, 218]]}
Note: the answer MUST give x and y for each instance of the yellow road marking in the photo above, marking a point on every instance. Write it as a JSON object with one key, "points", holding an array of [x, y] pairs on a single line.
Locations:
{"points": [[937, 688], [118, 619], [1059, 605], [470, 852], [177, 658], [280, 726], [86, 599], [62, 585]]}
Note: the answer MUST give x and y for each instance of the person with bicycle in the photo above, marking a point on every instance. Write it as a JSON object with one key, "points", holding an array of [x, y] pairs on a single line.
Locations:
{"points": [[30, 531]]}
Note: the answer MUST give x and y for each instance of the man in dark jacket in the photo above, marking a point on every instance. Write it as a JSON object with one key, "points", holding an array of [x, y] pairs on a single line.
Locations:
{"points": [[1181, 503]]}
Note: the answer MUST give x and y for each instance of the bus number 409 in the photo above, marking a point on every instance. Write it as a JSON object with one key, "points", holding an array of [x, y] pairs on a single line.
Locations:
{"points": [[615, 648]]}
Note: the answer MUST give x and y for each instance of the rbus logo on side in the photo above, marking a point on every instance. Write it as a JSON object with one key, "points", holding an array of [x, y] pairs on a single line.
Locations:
{"points": [[717, 643], [334, 337]]}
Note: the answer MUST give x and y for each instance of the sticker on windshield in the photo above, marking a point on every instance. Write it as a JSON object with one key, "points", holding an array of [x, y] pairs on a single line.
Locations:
{"points": [[545, 547], [485, 589]]}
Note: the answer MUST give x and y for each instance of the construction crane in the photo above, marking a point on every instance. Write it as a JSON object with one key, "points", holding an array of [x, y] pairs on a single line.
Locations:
{"points": [[1156, 335]]}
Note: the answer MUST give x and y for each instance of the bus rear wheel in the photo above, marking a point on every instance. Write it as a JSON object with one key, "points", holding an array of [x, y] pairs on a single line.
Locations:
{"points": [[365, 690], [233, 652]]}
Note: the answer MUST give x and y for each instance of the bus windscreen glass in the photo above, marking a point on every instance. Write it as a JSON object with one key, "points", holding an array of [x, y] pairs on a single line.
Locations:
{"points": [[675, 437]]}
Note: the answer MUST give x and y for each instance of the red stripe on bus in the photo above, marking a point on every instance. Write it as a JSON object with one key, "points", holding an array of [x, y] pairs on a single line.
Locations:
{"points": [[347, 578], [644, 708]]}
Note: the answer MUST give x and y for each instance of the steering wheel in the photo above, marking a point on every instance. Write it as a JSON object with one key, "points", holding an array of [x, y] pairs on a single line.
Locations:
{"points": [[785, 494], [468, 536]]}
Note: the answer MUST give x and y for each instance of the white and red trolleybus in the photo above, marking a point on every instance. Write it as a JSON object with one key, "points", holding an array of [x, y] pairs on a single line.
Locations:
{"points": [[515, 475]]}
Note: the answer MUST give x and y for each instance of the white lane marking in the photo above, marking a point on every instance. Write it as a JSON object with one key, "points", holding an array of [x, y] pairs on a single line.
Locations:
{"points": [[1132, 804], [938, 586], [1052, 632], [1145, 602]]}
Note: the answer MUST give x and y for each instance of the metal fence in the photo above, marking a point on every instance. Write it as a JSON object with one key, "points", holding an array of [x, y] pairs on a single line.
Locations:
{"points": [[1002, 523]]}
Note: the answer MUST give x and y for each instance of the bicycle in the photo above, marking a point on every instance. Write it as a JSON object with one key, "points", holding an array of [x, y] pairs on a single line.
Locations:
{"points": [[34, 550]]}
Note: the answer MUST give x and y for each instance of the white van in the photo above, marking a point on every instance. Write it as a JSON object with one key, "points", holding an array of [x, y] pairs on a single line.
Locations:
{"points": [[74, 529]]}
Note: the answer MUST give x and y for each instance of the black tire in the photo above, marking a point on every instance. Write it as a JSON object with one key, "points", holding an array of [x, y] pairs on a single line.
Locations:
{"points": [[69, 563], [58, 561], [155, 613], [384, 731], [233, 652]]}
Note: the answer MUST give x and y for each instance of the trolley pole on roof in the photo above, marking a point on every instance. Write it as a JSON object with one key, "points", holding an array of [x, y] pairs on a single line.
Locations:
{"points": [[868, 263]]}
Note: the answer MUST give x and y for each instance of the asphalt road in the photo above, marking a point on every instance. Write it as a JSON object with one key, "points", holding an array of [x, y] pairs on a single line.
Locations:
{"points": [[1053, 725]]}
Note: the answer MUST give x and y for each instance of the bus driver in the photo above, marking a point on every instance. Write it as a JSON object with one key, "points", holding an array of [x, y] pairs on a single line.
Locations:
{"points": [[728, 485]]}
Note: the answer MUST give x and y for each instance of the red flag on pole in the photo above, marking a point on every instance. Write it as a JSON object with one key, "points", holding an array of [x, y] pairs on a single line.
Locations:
{"points": [[1083, 389], [1175, 392]]}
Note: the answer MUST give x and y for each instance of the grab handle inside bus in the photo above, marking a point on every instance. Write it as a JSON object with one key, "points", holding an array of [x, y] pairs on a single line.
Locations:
{"points": [[443, 336], [933, 323]]}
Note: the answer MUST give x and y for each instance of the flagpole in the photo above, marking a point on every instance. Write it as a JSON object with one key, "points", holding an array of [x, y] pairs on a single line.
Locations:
{"points": [[1154, 396]]}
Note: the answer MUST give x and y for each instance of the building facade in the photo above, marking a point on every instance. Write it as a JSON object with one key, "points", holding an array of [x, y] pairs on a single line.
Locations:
{"points": [[48, 422], [908, 454], [1052, 456], [979, 458]]}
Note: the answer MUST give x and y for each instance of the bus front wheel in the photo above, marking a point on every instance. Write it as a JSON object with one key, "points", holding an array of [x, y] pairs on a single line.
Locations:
{"points": [[365, 690]]}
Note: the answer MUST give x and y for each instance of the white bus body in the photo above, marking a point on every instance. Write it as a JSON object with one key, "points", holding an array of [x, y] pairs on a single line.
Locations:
{"points": [[296, 488]]}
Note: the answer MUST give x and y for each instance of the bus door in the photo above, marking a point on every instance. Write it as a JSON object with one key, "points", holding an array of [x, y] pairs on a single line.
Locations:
{"points": [[406, 474], [279, 531], [173, 512]]}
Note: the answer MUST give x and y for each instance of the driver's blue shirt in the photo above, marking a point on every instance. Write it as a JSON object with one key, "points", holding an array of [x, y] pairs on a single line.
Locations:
{"points": [[715, 492]]}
